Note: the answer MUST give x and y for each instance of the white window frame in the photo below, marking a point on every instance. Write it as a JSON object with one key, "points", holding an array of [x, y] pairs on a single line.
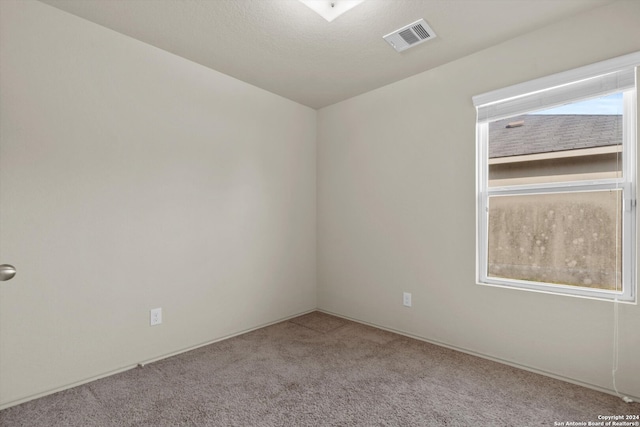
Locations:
{"points": [[609, 77]]}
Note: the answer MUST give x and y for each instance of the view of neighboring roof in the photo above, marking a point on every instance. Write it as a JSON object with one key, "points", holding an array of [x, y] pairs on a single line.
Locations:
{"points": [[548, 133]]}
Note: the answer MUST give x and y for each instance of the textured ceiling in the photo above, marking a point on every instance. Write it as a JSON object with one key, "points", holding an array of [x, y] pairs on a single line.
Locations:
{"points": [[286, 48]]}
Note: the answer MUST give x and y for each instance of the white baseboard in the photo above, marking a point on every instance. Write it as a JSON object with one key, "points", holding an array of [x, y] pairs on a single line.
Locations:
{"points": [[492, 358], [244, 331], [143, 363]]}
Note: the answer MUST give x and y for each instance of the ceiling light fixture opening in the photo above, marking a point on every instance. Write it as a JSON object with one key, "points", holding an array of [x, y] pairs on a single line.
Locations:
{"points": [[330, 9]]}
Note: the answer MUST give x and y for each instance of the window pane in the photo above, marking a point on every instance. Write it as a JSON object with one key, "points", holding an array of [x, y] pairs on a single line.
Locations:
{"points": [[577, 141], [561, 238]]}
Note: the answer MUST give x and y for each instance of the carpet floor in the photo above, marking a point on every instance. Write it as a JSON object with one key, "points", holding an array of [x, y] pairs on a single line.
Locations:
{"points": [[320, 370]]}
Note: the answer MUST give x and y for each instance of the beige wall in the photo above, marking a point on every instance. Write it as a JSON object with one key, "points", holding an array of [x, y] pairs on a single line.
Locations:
{"points": [[396, 212], [133, 179]]}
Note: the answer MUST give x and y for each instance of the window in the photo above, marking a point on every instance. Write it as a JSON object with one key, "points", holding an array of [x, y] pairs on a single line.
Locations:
{"points": [[556, 183]]}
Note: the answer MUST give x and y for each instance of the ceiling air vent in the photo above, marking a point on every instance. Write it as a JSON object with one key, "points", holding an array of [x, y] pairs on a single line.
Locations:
{"points": [[410, 35]]}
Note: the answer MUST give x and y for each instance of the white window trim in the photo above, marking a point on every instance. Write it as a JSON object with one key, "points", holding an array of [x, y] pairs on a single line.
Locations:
{"points": [[544, 83], [626, 183]]}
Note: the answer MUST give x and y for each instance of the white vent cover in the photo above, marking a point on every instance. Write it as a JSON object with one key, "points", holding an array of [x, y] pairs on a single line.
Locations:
{"points": [[410, 35]]}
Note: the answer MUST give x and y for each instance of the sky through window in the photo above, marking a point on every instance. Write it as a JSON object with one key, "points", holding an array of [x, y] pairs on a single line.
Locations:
{"points": [[605, 105]]}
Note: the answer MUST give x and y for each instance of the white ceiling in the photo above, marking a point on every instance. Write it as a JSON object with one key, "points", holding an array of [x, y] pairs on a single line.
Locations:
{"points": [[286, 48]]}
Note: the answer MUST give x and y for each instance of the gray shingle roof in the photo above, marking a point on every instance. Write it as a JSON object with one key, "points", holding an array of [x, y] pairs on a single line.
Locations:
{"points": [[549, 133]]}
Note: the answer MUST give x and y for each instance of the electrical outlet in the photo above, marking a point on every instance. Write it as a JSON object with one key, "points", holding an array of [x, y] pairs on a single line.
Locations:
{"points": [[155, 317], [406, 299]]}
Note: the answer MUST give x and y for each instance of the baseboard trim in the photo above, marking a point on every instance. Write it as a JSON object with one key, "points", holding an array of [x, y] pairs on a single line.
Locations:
{"points": [[145, 362], [283, 319], [488, 357]]}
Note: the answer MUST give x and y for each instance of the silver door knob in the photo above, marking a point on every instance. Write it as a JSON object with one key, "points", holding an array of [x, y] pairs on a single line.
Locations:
{"points": [[7, 272]]}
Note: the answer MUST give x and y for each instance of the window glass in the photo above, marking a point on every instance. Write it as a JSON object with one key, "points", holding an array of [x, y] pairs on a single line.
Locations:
{"points": [[569, 239], [574, 142]]}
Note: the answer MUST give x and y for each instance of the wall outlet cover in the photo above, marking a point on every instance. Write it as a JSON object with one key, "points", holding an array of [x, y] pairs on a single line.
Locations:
{"points": [[155, 316], [406, 299]]}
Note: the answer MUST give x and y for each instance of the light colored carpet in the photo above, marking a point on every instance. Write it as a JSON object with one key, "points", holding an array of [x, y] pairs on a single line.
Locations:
{"points": [[320, 370]]}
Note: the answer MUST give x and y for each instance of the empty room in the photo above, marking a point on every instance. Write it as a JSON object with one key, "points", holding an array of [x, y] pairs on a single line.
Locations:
{"points": [[319, 213]]}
